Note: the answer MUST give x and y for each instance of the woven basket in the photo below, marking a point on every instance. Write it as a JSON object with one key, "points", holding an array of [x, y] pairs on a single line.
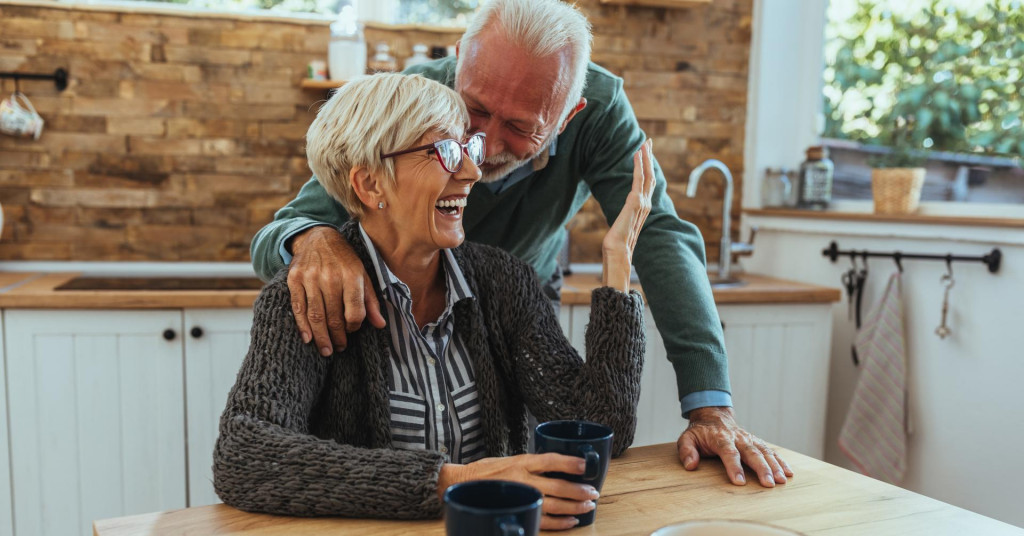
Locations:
{"points": [[896, 190]]}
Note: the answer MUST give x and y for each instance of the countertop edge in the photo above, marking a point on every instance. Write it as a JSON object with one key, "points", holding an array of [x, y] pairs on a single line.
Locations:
{"points": [[36, 291]]}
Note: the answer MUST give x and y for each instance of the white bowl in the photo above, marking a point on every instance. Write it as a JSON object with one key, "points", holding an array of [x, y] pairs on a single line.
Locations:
{"points": [[722, 527]]}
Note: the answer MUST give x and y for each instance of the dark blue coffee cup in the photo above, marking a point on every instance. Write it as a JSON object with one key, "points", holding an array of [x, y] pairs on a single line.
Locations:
{"points": [[492, 508], [587, 440]]}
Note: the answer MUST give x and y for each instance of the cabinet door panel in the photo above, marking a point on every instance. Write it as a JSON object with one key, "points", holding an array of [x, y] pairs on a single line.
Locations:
{"points": [[96, 417], [658, 414], [658, 418], [212, 361], [6, 517], [778, 367]]}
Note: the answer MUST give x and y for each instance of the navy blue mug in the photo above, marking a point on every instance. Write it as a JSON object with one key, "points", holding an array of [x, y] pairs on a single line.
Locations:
{"points": [[492, 508], [587, 440]]}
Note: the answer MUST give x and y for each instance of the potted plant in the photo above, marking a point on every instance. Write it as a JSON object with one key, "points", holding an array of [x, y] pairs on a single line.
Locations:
{"points": [[898, 175]]}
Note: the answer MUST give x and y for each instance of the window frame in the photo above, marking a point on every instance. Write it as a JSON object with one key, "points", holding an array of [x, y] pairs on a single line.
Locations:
{"points": [[788, 51]]}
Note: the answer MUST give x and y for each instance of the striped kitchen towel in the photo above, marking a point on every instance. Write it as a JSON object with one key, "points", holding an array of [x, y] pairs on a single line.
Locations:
{"points": [[874, 435]]}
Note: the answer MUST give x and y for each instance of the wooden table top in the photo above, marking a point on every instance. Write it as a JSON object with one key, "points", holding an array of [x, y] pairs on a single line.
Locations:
{"points": [[646, 489]]}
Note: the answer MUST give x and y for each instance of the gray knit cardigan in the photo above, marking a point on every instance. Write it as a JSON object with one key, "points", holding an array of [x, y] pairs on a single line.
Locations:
{"points": [[307, 435]]}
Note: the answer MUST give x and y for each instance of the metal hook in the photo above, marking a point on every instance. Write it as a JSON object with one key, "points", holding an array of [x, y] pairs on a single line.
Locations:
{"points": [[17, 84], [947, 278], [897, 256]]}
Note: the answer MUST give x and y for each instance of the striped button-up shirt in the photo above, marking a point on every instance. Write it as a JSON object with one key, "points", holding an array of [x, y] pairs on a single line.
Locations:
{"points": [[432, 388]]}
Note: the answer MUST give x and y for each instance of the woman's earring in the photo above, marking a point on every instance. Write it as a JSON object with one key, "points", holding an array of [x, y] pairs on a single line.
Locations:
{"points": [[380, 205]]}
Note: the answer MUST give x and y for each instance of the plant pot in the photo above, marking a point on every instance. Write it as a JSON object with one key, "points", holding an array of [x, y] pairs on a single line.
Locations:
{"points": [[896, 190]]}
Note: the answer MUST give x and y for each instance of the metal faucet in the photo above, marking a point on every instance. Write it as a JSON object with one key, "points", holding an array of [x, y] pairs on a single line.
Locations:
{"points": [[727, 248]]}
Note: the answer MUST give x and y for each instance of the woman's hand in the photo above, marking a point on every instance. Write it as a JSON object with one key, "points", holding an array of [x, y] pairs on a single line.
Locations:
{"points": [[617, 248], [561, 497]]}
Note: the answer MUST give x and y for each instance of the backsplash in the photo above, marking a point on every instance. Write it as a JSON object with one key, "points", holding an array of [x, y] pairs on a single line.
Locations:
{"points": [[180, 135]]}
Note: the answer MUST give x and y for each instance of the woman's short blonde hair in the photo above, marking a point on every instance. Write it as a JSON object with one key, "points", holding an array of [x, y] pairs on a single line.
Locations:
{"points": [[374, 115]]}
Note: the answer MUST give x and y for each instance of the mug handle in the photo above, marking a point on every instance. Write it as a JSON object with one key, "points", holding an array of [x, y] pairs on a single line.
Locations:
{"points": [[509, 527], [593, 462], [25, 102]]}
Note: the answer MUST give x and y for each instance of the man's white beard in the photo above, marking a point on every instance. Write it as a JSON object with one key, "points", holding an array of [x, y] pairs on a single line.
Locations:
{"points": [[507, 162]]}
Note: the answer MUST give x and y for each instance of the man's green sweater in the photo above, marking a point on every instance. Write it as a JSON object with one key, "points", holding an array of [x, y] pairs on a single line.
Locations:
{"points": [[594, 155]]}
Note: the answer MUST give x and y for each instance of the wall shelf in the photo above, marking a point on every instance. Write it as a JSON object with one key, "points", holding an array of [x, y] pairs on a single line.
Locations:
{"points": [[321, 84], [887, 218], [657, 3]]}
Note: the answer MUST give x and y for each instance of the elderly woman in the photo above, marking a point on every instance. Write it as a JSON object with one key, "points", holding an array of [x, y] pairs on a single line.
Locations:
{"points": [[440, 394]]}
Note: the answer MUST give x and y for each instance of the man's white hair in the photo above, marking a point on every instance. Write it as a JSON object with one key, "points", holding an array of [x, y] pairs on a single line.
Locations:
{"points": [[374, 115], [542, 28]]}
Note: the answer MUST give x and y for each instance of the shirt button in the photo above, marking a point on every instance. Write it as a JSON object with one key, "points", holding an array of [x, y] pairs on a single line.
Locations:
{"points": [[440, 407], [430, 361], [444, 450]]}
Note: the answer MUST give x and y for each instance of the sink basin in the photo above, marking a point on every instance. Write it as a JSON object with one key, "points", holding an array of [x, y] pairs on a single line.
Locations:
{"points": [[162, 283], [729, 282]]}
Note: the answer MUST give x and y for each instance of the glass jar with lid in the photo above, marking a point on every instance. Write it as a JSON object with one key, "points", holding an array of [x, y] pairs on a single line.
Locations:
{"points": [[382, 61], [419, 55], [777, 188], [816, 175], [346, 53]]}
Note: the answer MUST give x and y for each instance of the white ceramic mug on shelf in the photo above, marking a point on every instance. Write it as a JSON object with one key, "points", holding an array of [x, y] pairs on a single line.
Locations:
{"points": [[19, 118]]}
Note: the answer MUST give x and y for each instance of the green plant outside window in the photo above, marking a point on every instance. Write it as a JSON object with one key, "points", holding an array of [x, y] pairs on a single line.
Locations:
{"points": [[926, 75]]}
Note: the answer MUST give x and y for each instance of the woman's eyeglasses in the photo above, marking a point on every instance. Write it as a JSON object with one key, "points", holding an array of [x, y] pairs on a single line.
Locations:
{"points": [[449, 152]]}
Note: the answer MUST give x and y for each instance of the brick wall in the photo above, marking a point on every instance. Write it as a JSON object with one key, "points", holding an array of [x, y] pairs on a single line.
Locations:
{"points": [[685, 72], [180, 135]]}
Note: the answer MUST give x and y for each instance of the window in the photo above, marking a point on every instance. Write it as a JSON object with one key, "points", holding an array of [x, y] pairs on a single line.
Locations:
{"points": [[444, 12], [433, 12], [935, 79]]}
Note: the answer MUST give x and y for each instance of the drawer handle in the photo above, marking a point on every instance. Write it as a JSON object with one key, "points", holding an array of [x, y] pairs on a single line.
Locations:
{"points": [[197, 332], [169, 334]]}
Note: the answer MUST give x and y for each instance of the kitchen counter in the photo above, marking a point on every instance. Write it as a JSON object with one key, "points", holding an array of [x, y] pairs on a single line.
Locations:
{"points": [[646, 488], [39, 291], [759, 289]]}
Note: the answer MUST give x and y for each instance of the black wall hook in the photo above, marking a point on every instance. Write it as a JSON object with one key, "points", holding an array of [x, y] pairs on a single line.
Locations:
{"points": [[992, 259], [59, 77]]}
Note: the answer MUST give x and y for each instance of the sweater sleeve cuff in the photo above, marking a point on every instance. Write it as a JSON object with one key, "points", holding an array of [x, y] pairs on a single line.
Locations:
{"points": [[704, 399], [616, 298], [300, 226]]}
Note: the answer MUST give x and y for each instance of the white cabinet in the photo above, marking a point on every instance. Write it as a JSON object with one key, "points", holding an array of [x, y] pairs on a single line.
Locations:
{"points": [[97, 416], [112, 413], [778, 368], [213, 356], [6, 514], [658, 416]]}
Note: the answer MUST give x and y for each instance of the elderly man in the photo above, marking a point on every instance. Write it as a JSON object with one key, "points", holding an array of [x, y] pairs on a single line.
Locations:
{"points": [[559, 128]]}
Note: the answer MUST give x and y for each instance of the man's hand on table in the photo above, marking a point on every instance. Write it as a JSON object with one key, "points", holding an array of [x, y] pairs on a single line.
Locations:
{"points": [[331, 291], [713, 432]]}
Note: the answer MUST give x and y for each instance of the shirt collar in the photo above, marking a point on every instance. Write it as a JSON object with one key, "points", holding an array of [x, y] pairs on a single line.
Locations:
{"points": [[457, 288], [538, 163]]}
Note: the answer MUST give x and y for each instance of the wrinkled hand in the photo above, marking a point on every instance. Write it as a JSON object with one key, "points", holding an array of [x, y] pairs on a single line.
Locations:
{"points": [[561, 497], [330, 290], [713, 432], [620, 240]]}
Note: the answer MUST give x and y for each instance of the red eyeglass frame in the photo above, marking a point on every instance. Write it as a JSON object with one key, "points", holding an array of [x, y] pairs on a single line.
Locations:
{"points": [[464, 146]]}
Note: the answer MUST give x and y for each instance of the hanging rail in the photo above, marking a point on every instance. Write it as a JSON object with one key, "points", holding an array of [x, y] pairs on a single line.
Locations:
{"points": [[59, 77], [993, 259]]}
